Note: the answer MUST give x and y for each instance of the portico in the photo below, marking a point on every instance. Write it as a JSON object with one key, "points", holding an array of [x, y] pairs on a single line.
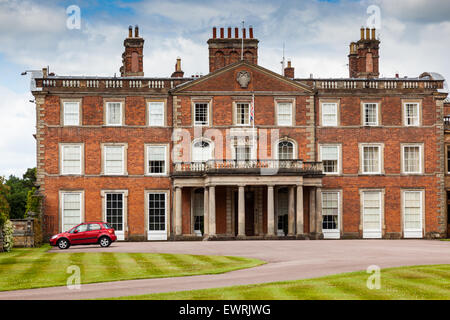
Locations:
{"points": [[247, 206]]}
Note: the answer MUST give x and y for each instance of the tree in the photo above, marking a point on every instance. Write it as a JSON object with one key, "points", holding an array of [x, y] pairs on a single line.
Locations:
{"points": [[4, 205], [19, 188]]}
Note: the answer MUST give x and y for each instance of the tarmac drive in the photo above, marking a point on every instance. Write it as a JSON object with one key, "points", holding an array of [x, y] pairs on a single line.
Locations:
{"points": [[287, 260]]}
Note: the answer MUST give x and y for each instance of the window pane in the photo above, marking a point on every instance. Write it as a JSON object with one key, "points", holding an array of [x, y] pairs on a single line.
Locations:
{"points": [[71, 210], [156, 113], [201, 114], [285, 150], [157, 212], [411, 158], [371, 161], [413, 212], [330, 210], [370, 114], [71, 114], [284, 114], [372, 211], [242, 113], [71, 161], [412, 114], [156, 159], [114, 113], [114, 210], [114, 160], [329, 114]]}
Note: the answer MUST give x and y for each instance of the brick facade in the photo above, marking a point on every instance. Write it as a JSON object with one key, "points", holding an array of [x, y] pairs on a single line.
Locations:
{"points": [[300, 186]]}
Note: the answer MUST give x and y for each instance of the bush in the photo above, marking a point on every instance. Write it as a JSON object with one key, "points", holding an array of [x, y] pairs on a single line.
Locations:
{"points": [[8, 240]]}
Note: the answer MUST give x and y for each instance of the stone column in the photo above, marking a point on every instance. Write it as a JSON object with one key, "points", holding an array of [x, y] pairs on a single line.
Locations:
{"points": [[299, 210], [319, 211], [312, 211], [212, 210], [206, 211], [241, 211], [178, 212], [291, 212], [270, 212]]}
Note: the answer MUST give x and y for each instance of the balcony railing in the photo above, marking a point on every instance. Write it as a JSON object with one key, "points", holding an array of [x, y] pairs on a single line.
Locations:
{"points": [[270, 166]]}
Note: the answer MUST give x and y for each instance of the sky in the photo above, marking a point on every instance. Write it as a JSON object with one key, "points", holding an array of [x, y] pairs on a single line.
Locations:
{"points": [[414, 35]]}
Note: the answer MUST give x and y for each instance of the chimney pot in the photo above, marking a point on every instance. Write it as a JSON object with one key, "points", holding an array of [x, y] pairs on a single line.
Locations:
{"points": [[236, 33], [229, 32], [367, 34], [44, 72], [136, 31], [244, 33], [362, 33], [214, 32], [373, 34], [130, 32], [221, 33], [250, 31]]}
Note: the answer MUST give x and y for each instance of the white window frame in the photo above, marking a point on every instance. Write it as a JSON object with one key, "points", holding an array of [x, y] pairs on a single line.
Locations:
{"points": [[108, 103], [405, 116], [418, 232], [403, 158], [338, 165], [163, 113], [333, 233], [120, 234], [124, 159], [236, 113], [377, 113], [65, 122], [198, 124], [147, 159], [380, 158], [336, 114], [288, 123], [372, 233], [156, 234], [61, 154], [62, 194]]}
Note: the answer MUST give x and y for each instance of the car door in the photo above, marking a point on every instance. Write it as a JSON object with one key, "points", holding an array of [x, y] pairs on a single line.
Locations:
{"points": [[78, 235], [93, 232]]}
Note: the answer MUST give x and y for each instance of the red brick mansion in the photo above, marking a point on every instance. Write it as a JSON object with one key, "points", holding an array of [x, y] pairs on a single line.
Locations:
{"points": [[244, 152]]}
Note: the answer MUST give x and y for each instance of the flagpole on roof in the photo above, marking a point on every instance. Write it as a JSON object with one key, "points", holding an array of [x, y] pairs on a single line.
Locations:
{"points": [[242, 42]]}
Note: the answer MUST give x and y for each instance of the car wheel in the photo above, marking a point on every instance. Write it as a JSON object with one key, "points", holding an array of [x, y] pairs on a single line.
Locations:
{"points": [[63, 244], [105, 242]]}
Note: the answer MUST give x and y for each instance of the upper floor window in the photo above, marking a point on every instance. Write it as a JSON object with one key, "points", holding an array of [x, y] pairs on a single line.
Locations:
{"points": [[370, 114], [201, 151], [114, 160], [371, 159], [242, 113], [156, 114], [284, 113], [243, 153], [329, 155], [285, 150], [329, 114], [156, 158], [411, 114], [71, 159], [71, 113], [114, 113], [412, 159], [201, 114]]}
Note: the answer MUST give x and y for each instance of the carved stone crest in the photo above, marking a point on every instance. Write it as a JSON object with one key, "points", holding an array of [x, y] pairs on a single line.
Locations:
{"points": [[243, 78]]}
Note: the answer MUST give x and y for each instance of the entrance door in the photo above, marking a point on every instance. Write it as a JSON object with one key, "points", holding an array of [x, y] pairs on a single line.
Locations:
{"points": [[114, 213], [371, 214], [282, 212], [199, 212], [157, 216]]}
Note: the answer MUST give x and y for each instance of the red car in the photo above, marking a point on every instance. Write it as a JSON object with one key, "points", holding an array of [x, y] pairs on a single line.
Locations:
{"points": [[85, 233]]}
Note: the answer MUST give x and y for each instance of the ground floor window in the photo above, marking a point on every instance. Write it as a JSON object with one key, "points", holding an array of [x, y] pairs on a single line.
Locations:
{"points": [[71, 210], [330, 214], [114, 211], [372, 214], [412, 214]]}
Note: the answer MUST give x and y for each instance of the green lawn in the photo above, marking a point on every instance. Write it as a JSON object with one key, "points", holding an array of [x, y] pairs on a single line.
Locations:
{"points": [[34, 268], [418, 282]]}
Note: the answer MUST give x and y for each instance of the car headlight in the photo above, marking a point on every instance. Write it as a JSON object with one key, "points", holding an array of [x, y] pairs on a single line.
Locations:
{"points": [[55, 236]]}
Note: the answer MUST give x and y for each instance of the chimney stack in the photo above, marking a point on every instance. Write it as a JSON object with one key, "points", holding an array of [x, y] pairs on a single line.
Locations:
{"points": [[224, 51], [289, 70], [364, 56], [178, 72], [214, 33], [132, 57]]}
